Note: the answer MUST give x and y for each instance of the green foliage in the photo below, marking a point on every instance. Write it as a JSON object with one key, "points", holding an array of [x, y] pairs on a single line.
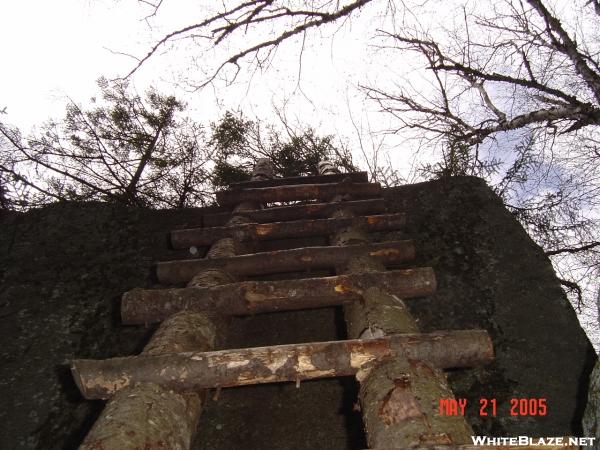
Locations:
{"points": [[239, 142], [138, 150], [229, 135], [460, 159], [225, 174], [126, 148]]}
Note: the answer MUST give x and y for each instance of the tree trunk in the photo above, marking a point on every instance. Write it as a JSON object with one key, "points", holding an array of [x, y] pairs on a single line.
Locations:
{"points": [[399, 397], [131, 189], [192, 371], [355, 177], [400, 401], [298, 192], [278, 230], [146, 415], [297, 212], [250, 297], [281, 261]]}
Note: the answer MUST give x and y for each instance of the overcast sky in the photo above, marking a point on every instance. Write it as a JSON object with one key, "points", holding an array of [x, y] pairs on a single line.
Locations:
{"points": [[53, 49], [56, 49]]}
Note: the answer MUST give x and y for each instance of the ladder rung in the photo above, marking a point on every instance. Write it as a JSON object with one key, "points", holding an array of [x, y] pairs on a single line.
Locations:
{"points": [[278, 230], [298, 192], [280, 261], [192, 371], [297, 212], [250, 297], [355, 177]]}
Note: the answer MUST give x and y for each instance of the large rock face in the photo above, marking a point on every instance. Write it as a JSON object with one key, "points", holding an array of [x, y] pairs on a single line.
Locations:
{"points": [[591, 417], [64, 267], [491, 275]]}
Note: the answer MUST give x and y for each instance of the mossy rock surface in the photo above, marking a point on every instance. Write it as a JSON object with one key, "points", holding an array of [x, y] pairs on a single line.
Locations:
{"points": [[63, 269]]}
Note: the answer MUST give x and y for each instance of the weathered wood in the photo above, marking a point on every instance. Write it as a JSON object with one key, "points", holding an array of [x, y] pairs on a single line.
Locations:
{"points": [[380, 312], [327, 167], [128, 423], [278, 230], [251, 297], [398, 398], [263, 170], [301, 211], [149, 416], [225, 368], [297, 192], [355, 177], [388, 253]]}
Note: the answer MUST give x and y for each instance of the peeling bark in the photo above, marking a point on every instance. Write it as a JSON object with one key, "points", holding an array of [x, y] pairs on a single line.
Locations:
{"points": [[250, 297], [297, 212], [145, 415], [278, 230], [192, 371], [280, 261], [149, 416], [289, 193], [398, 397], [355, 177], [400, 401]]}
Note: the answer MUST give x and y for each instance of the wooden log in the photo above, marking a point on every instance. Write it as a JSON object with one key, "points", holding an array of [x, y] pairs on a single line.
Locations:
{"points": [[250, 297], [297, 212], [279, 230], [398, 398], [225, 368], [298, 192], [263, 170], [280, 261], [327, 167], [355, 177], [146, 415]]}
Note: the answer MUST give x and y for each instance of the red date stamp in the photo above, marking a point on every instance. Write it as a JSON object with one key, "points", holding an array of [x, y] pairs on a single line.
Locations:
{"points": [[489, 407]]}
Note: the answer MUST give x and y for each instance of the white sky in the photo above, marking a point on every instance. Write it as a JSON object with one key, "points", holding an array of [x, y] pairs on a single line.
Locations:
{"points": [[54, 49], [57, 49]]}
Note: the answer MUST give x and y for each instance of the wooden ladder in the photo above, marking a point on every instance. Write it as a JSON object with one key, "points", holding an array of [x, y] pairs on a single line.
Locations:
{"points": [[155, 398]]}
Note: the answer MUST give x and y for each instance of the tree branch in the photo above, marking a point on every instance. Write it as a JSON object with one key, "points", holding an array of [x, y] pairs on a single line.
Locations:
{"points": [[573, 249], [569, 48]]}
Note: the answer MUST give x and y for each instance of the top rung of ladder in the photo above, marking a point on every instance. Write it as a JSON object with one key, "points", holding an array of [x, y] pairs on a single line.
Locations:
{"points": [[355, 177], [297, 192]]}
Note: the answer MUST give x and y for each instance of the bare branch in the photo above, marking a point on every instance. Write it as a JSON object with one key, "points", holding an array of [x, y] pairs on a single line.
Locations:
{"points": [[572, 250], [568, 47], [250, 14]]}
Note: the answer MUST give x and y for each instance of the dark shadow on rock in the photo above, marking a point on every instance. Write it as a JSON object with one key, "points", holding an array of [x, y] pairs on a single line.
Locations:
{"points": [[582, 392]]}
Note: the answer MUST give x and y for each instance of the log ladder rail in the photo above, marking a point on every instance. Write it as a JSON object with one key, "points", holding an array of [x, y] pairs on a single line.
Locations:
{"points": [[155, 399]]}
